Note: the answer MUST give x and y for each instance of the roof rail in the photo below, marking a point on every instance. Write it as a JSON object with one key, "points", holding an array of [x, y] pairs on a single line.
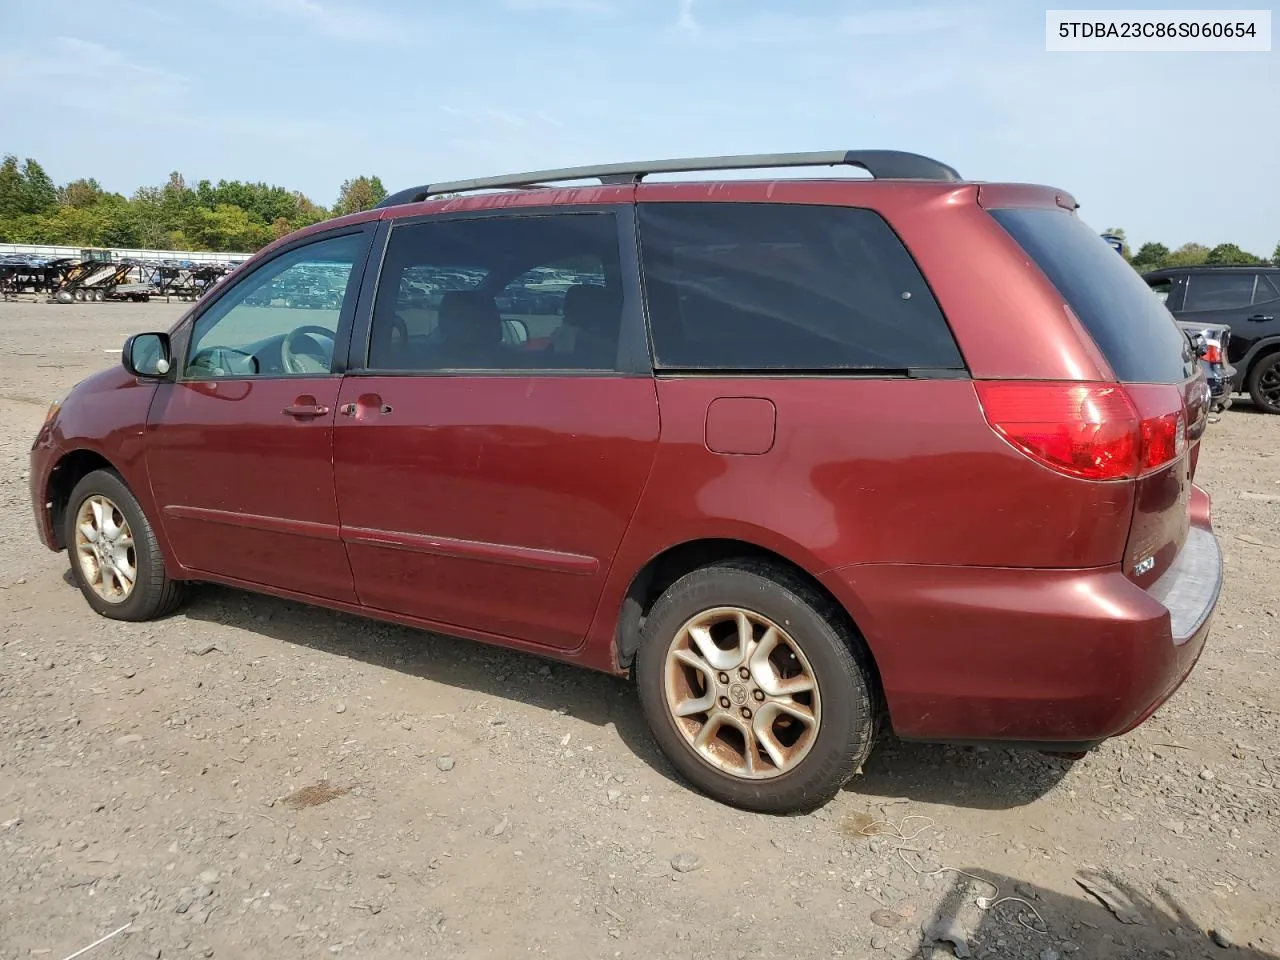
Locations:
{"points": [[881, 164]]}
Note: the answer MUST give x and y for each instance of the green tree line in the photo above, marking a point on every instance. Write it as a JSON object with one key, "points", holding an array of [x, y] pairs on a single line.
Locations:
{"points": [[1153, 256], [234, 216], [227, 216]]}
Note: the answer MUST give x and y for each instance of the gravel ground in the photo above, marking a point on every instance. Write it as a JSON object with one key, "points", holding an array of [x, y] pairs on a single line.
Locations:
{"points": [[254, 778]]}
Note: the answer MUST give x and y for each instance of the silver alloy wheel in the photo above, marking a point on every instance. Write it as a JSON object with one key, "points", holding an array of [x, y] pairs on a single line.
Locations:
{"points": [[104, 547], [742, 693]]}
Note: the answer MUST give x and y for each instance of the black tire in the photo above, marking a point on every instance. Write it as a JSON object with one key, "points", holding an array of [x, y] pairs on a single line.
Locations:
{"points": [[1264, 383], [153, 595], [848, 716]]}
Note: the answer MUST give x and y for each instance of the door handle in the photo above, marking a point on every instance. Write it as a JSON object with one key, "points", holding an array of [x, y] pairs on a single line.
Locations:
{"points": [[363, 407], [1261, 318], [303, 410]]}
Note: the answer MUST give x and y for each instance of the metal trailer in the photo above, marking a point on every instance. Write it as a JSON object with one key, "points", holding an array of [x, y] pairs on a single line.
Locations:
{"points": [[70, 286], [98, 275], [124, 283], [186, 280], [25, 273]]}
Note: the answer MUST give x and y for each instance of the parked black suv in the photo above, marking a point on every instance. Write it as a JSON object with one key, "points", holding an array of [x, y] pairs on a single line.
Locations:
{"points": [[1246, 299]]}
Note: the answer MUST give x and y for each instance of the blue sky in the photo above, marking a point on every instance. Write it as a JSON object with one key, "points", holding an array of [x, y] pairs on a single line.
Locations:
{"points": [[305, 93]]}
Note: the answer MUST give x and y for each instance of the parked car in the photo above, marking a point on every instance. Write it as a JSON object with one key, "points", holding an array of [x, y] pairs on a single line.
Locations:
{"points": [[781, 460], [1210, 341], [1246, 300]]}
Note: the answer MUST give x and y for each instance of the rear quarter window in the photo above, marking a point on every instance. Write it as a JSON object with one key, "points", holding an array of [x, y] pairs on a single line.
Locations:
{"points": [[1127, 320], [763, 286], [1222, 291]]}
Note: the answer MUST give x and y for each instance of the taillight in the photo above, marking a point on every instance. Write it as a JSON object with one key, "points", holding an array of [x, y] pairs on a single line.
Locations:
{"points": [[1091, 431], [1212, 352]]}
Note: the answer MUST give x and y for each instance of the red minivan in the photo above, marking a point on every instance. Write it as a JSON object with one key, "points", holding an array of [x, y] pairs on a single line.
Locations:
{"points": [[807, 458]]}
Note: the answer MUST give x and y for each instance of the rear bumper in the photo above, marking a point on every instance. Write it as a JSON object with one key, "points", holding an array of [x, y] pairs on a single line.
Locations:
{"points": [[1221, 381], [1041, 657]]}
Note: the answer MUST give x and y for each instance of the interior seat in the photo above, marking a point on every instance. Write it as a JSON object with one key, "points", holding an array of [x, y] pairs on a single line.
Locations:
{"points": [[589, 333], [470, 331]]}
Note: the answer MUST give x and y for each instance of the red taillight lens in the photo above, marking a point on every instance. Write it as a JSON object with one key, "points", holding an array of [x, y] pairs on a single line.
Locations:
{"points": [[1212, 352], [1084, 431], [1163, 423], [1090, 431]]}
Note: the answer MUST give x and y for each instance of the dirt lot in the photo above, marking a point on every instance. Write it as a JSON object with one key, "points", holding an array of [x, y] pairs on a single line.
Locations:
{"points": [[253, 778]]}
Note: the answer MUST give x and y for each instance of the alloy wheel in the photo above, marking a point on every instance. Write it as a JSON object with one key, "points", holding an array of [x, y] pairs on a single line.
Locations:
{"points": [[742, 693], [1268, 388], [105, 549]]}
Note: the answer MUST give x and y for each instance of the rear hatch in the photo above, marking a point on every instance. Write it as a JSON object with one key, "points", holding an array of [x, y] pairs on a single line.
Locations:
{"points": [[1164, 385]]}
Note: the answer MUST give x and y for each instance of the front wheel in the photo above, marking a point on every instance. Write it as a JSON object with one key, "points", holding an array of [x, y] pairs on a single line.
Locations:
{"points": [[1264, 383], [115, 558], [754, 687]]}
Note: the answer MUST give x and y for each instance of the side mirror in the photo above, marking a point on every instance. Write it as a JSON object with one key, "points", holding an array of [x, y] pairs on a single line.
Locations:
{"points": [[147, 355]]}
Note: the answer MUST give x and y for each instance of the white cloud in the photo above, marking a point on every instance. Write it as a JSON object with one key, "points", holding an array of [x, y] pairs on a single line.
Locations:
{"points": [[686, 20], [124, 92], [330, 19], [903, 20], [571, 6], [66, 69], [783, 28]]}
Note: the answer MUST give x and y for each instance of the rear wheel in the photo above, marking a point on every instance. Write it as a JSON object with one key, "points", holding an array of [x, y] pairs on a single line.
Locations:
{"points": [[754, 688], [115, 558], [1264, 383]]}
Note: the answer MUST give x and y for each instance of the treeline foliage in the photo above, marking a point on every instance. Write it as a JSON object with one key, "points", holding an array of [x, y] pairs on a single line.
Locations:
{"points": [[233, 216], [1153, 256], [228, 216]]}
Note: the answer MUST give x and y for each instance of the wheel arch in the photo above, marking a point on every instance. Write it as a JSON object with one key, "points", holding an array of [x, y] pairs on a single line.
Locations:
{"points": [[672, 563], [1261, 349], [72, 467]]}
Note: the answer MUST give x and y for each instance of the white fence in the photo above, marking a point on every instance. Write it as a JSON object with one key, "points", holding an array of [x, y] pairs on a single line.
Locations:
{"points": [[117, 253]]}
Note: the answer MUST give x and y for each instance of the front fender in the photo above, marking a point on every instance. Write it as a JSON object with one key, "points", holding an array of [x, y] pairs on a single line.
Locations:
{"points": [[104, 416]]}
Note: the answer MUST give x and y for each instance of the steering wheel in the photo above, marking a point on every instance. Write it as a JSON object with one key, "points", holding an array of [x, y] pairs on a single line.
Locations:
{"points": [[297, 359]]}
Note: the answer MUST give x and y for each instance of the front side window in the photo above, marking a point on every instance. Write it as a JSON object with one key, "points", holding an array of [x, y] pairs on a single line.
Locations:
{"points": [[766, 286], [499, 293], [282, 319], [1218, 291]]}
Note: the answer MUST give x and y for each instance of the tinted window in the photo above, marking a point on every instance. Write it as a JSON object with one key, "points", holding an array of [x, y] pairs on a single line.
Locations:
{"points": [[1218, 291], [282, 319], [537, 298], [1132, 328], [1265, 290], [781, 286], [1162, 289], [537, 292]]}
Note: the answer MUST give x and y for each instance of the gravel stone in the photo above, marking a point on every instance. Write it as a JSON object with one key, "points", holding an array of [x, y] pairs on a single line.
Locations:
{"points": [[686, 862], [123, 796]]}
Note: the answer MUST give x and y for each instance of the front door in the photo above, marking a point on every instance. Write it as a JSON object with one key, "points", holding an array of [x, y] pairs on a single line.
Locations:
{"points": [[239, 446], [489, 448]]}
